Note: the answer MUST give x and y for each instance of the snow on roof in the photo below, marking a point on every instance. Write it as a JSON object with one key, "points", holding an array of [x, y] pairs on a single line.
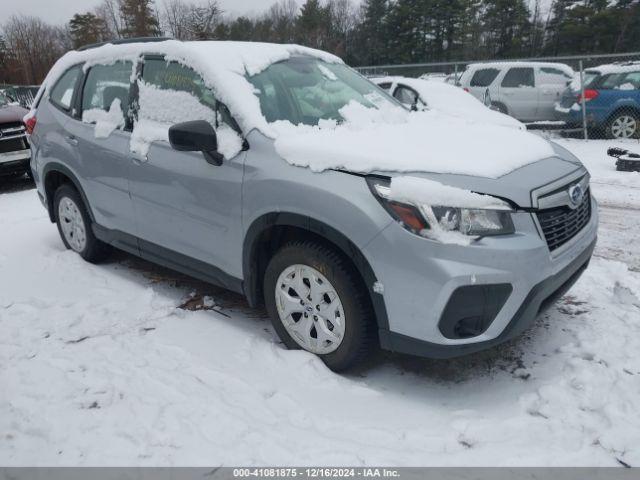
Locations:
{"points": [[616, 68], [222, 65]]}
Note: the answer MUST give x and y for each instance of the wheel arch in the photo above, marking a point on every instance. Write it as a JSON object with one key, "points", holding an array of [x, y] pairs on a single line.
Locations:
{"points": [[270, 231], [632, 108], [55, 174]]}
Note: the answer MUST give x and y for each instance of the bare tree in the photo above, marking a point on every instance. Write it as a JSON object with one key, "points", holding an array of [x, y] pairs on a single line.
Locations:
{"points": [[35, 44], [109, 12]]}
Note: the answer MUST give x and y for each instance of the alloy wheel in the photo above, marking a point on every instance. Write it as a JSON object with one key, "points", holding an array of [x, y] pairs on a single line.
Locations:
{"points": [[310, 309], [624, 126], [72, 224]]}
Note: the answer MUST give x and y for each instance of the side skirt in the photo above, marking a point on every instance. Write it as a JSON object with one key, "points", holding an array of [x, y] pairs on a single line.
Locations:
{"points": [[168, 258]]}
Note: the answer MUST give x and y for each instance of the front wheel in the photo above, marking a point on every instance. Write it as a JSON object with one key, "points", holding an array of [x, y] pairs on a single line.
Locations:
{"points": [[317, 303], [624, 125], [74, 225]]}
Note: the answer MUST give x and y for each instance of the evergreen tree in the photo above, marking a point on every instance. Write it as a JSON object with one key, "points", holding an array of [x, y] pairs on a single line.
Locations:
{"points": [[507, 24], [86, 28], [313, 24], [139, 18], [371, 33]]}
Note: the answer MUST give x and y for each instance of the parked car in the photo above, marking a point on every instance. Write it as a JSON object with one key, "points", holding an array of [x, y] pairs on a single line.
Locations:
{"points": [[527, 91], [14, 147], [612, 100], [450, 78], [184, 153], [425, 94]]}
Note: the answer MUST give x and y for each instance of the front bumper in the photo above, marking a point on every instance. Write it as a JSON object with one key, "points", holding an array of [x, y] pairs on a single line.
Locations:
{"points": [[14, 162], [418, 278]]}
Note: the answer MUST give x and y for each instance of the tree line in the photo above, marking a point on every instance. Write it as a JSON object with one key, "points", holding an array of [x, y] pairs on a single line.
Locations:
{"points": [[373, 32]]}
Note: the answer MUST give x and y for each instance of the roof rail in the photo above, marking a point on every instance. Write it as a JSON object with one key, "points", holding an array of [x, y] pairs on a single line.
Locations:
{"points": [[122, 41]]}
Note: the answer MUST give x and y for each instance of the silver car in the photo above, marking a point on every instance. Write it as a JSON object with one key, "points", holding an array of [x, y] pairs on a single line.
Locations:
{"points": [[527, 91], [340, 267]]}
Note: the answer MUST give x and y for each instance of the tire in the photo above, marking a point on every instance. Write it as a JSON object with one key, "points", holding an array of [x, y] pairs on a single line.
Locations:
{"points": [[623, 125], [74, 225], [349, 309]]}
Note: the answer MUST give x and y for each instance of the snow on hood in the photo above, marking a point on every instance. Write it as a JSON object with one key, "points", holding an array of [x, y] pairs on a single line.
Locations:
{"points": [[222, 65], [395, 140]]}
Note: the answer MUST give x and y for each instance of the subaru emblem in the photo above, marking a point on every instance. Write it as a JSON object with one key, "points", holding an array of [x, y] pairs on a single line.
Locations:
{"points": [[576, 194]]}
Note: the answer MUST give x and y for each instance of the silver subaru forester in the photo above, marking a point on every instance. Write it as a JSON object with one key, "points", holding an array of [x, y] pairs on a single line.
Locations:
{"points": [[340, 267]]}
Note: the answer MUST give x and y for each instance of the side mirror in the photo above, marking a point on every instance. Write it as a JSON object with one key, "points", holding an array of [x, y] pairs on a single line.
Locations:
{"points": [[196, 136]]}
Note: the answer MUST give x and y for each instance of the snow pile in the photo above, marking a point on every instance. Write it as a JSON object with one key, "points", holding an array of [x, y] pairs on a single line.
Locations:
{"points": [[394, 140], [106, 122]]}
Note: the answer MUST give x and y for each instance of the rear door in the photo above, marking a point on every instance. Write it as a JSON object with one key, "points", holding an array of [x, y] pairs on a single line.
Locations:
{"points": [[551, 83], [101, 134], [182, 203], [518, 91]]}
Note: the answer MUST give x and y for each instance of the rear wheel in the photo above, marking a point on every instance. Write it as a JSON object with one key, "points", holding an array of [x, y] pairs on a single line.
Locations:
{"points": [[624, 125], [74, 225], [316, 303]]}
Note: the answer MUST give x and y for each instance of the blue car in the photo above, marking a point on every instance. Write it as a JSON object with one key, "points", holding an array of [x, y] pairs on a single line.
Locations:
{"points": [[612, 101]]}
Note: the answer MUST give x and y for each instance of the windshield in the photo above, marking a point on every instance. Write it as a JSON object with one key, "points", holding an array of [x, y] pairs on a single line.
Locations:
{"points": [[305, 90]]}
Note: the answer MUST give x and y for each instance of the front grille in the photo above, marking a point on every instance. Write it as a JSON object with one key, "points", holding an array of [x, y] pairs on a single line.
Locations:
{"points": [[13, 144], [561, 224], [12, 137]]}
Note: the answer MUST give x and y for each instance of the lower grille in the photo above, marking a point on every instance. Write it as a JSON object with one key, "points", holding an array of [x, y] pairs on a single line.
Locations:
{"points": [[561, 224]]}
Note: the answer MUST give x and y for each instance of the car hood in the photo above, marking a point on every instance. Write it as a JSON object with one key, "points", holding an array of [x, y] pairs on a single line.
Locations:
{"points": [[517, 185], [393, 141], [12, 113]]}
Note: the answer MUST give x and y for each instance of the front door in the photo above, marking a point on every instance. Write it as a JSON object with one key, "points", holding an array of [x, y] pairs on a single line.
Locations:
{"points": [[183, 204]]}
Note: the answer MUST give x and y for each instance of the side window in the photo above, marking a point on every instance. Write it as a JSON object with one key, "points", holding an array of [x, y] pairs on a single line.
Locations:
{"points": [[186, 97], [62, 92], [553, 76], [107, 89], [406, 95], [519, 77], [484, 77], [631, 81]]}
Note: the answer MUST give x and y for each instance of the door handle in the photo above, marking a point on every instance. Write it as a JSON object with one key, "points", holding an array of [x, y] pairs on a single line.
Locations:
{"points": [[71, 140]]}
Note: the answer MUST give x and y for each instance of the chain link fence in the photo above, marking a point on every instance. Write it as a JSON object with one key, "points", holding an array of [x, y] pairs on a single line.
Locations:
{"points": [[22, 94], [588, 96]]}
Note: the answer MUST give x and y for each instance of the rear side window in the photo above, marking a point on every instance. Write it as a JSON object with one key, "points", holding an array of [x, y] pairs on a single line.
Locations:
{"points": [[518, 77], [621, 81], [553, 76], [107, 88], [62, 92], [484, 77]]}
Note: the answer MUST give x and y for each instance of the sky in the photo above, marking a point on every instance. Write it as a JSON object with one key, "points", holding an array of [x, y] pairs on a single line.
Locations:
{"points": [[60, 11]]}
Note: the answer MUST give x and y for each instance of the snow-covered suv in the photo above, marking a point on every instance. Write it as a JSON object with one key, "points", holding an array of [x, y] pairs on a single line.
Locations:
{"points": [[279, 172]]}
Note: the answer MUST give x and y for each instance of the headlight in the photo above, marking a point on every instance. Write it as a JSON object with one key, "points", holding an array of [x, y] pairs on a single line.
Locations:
{"points": [[436, 221]]}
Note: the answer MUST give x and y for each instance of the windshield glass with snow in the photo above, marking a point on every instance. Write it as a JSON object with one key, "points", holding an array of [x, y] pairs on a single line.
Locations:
{"points": [[305, 90]]}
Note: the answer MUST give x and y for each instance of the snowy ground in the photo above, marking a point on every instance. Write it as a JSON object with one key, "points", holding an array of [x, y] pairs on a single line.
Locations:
{"points": [[99, 365]]}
